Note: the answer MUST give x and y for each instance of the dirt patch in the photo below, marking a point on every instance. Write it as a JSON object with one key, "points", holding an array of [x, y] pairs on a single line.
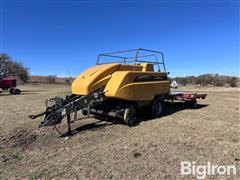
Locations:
{"points": [[153, 149], [12, 146], [20, 139]]}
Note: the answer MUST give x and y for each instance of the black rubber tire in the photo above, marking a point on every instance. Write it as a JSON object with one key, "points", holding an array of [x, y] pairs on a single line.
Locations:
{"points": [[11, 91], [157, 107], [194, 104], [84, 112], [17, 92], [129, 115]]}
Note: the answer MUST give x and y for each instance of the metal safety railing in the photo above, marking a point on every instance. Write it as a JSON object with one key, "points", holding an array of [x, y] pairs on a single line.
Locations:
{"points": [[137, 58]]}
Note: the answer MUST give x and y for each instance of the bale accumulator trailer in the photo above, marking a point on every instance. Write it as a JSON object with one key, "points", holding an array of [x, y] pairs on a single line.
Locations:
{"points": [[117, 89], [189, 98]]}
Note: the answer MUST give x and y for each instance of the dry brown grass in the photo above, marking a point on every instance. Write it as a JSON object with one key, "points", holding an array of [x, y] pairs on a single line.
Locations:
{"points": [[153, 149]]}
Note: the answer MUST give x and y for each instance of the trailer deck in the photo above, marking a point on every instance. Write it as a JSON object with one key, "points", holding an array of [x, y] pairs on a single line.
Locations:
{"points": [[190, 98]]}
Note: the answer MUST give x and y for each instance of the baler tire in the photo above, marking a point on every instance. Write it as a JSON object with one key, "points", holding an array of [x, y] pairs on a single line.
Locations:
{"points": [[129, 115], [157, 107]]}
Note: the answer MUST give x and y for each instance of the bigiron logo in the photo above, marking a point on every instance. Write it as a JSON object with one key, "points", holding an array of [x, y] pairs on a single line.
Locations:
{"points": [[208, 169]]}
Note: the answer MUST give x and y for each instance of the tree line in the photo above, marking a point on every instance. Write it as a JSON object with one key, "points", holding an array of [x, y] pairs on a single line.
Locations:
{"points": [[207, 79], [10, 67]]}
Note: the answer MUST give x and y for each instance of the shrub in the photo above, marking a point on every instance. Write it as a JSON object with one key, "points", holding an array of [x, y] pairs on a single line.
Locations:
{"points": [[51, 78]]}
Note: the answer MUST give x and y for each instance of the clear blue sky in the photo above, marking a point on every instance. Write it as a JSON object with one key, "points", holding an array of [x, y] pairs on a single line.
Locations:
{"points": [[53, 37]]}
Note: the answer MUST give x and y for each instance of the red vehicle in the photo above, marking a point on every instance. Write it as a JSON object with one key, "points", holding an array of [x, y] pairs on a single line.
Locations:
{"points": [[189, 98], [9, 83]]}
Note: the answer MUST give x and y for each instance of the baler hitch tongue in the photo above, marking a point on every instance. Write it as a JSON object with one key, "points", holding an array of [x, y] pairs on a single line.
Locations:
{"points": [[37, 115], [57, 108], [53, 114]]}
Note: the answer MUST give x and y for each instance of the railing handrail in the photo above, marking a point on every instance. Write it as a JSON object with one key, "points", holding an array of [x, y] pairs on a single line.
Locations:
{"points": [[136, 58]]}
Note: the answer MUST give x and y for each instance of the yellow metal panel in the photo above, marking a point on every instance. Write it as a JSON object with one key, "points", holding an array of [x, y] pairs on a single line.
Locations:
{"points": [[93, 78], [147, 67], [130, 67], [122, 86], [119, 81]]}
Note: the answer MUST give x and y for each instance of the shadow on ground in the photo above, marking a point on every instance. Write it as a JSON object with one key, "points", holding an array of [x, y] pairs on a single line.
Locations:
{"points": [[88, 127], [24, 92], [169, 108]]}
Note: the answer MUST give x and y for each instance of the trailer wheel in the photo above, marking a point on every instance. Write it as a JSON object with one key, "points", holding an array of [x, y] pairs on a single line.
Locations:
{"points": [[17, 91], [11, 91], [157, 107], [129, 115], [194, 104]]}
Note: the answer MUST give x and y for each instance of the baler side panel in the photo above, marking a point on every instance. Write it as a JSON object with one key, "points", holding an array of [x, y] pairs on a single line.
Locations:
{"points": [[122, 85]]}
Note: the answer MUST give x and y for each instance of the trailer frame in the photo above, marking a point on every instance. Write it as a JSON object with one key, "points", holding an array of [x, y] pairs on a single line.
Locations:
{"points": [[189, 98]]}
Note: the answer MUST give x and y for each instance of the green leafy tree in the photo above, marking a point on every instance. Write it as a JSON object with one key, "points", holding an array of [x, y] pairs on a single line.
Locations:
{"points": [[10, 67]]}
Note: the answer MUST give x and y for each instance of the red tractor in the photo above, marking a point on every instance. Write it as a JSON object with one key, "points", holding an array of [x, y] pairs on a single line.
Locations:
{"points": [[9, 83]]}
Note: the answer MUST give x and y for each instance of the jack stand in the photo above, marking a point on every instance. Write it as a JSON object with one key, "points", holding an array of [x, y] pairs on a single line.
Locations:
{"points": [[69, 133]]}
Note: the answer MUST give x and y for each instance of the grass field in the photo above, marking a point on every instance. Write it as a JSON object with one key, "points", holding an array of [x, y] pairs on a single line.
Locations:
{"points": [[99, 150]]}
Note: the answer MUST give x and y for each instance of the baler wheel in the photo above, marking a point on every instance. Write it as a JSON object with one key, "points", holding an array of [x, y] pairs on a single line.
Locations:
{"points": [[157, 107], [129, 115]]}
